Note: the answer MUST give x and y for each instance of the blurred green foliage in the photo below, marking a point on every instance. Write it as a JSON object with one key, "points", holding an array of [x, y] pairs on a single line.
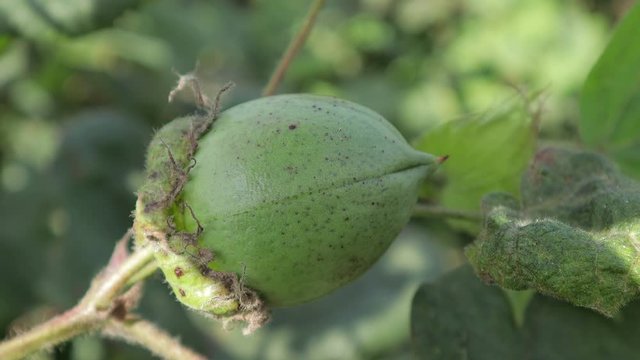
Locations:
{"points": [[84, 82]]}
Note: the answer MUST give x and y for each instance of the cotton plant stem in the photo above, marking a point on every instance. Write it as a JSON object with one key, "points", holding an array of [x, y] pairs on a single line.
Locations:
{"points": [[433, 211], [46, 335], [89, 314], [294, 47], [113, 283], [148, 335]]}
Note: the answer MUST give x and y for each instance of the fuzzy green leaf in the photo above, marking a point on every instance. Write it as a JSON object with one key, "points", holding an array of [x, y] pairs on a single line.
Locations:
{"points": [[575, 237], [486, 154], [610, 101]]}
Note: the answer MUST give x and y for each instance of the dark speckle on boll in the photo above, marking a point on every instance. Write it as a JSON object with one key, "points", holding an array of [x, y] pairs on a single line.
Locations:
{"points": [[293, 126]]}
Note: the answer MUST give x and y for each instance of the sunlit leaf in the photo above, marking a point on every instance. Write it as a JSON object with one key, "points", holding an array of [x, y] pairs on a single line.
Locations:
{"points": [[486, 154], [610, 100]]}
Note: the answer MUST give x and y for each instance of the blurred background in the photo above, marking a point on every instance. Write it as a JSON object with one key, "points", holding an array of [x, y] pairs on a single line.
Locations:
{"points": [[83, 83]]}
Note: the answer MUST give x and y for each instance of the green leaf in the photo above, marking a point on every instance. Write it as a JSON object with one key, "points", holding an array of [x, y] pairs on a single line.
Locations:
{"points": [[610, 100], [575, 237], [486, 154], [45, 19], [458, 317]]}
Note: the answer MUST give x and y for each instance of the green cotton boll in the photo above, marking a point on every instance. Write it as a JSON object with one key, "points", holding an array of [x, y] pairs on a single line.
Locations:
{"points": [[283, 200], [575, 236], [301, 194]]}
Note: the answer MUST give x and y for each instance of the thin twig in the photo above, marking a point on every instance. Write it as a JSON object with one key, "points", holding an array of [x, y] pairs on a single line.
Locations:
{"points": [[433, 211], [48, 334], [114, 283], [294, 46], [148, 335]]}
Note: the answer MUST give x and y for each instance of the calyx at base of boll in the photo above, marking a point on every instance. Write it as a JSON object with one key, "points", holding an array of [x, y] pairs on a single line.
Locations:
{"points": [[183, 262]]}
